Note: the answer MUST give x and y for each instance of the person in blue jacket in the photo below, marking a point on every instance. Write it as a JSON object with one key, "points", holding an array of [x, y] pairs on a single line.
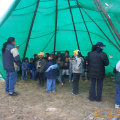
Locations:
{"points": [[51, 73], [11, 62]]}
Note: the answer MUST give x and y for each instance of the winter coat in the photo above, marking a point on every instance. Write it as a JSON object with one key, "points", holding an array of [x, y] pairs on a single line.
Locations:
{"points": [[40, 65], [25, 65], [31, 67], [77, 64], [11, 59], [97, 62], [51, 70], [66, 67]]}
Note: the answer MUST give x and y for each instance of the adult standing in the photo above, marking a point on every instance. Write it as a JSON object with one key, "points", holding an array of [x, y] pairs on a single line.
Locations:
{"points": [[11, 62], [77, 65], [97, 60]]}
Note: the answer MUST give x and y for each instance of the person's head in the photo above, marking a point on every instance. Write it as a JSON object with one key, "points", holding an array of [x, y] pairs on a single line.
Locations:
{"points": [[11, 40], [66, 59], [73, 57], [77, 53], [69, 58], [31, 60], [35, 56], [59, 58], [66, 53], [26, 59], [52, 58], [47, 55], [58, 53], [100, 45], [41, 55]]}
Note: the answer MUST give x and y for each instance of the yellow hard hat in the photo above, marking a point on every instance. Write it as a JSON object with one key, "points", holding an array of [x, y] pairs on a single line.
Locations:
{"points": [[41, 53], [76, 52]]}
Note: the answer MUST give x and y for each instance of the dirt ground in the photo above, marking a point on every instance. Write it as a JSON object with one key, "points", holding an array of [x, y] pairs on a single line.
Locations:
{"points": [[33, 102]]}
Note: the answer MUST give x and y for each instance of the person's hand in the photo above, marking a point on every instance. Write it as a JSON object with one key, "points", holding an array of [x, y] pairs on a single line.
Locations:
{"points": [[65, 64], [31, 71], [76, 69], [17, 47], [110, 56]]}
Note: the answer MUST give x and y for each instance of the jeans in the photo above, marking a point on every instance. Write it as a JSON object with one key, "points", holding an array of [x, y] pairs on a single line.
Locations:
{"points": [[117, 94], [65, 72], [86, 75], [33, 75], [24, 75], [76, 83], [70, 76], [60, 76], [11, 79], [41, 78], [50, 85], [92, 92], [83, 72]]}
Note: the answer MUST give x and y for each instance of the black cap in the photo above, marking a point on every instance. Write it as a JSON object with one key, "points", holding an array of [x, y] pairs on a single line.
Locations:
{"points": [[99, 44]]}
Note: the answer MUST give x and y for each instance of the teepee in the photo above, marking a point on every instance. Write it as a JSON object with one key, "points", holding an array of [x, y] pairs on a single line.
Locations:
{"points": [[59, 25]]}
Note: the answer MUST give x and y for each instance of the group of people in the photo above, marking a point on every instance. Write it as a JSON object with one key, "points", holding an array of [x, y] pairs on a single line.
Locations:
{"points": [[54, 67], [57, 67]]}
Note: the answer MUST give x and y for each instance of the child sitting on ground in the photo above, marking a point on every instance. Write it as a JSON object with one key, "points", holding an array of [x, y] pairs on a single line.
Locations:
{"points": [[24, 69], [51, 73]]}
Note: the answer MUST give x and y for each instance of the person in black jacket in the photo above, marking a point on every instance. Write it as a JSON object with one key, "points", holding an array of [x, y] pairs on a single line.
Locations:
{"points": [[97, 61]]}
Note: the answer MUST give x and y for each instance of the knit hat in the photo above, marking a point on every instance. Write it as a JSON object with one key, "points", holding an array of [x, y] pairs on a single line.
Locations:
{"points": [[41, 53], [76, 52]]}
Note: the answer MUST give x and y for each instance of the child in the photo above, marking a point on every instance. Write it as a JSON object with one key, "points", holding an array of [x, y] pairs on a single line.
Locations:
{"points": [[40, 65], [32, 69], [65, 71], [51, 74], [60, 65], [117, 81], [24, 69]]}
